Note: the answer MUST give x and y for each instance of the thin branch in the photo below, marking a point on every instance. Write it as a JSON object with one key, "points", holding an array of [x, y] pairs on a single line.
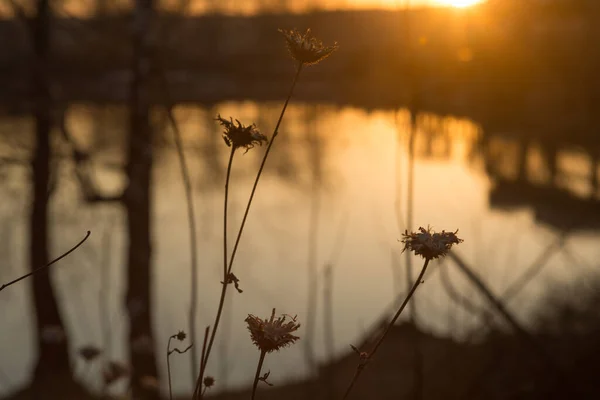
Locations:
{"points": [[39, 269], [366, 357], [241, 230]]}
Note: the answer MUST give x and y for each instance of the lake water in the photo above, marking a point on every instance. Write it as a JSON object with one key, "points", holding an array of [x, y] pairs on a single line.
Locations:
{"points": [[334, 192]]}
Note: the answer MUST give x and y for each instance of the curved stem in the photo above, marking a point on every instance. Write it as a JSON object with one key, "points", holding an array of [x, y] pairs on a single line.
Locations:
{"points": [[257, 376], [361, 366], [169, 367], [193, 241], [187, 184], [224, 283], [225, 215], [262, 165], [57, 259], [197, 392]]}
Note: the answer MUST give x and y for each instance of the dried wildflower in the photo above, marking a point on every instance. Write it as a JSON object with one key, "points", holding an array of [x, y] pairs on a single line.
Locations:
{"points": [[180, 336], [305, 48], [208, 381], [240, 135], [272, 334], [89, 353], [114, 371], [429, 244]]}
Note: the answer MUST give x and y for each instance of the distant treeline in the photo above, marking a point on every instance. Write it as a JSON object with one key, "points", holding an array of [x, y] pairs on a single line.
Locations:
{"points": [[499, 63]]}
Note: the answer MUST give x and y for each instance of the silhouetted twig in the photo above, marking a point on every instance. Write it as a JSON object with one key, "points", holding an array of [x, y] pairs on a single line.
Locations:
{"points": [[35, 271], [179, 336], [366, 357]]}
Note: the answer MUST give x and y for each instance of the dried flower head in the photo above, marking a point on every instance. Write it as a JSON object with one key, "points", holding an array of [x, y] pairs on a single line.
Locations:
{"points": [[429, 244], [306, 48], [272, 334], [208, 381], [180, 336], [89, 353], [240, 135]]}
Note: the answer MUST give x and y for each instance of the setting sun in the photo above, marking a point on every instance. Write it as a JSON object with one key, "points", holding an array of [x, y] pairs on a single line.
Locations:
{"points": [[459, 3]]}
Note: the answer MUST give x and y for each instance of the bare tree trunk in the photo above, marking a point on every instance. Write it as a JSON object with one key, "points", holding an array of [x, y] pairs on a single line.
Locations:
{"points": [[53, 351], [138, 206]]}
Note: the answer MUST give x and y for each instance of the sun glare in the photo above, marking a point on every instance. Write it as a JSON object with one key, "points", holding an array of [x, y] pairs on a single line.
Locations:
{"points": [[458, 3]]}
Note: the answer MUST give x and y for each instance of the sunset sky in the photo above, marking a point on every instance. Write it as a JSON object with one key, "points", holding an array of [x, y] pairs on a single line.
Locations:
{"points": [[82, 8]]}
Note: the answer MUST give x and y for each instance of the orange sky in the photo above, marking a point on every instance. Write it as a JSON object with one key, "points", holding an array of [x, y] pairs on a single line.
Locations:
{"points": [[82, 8]]}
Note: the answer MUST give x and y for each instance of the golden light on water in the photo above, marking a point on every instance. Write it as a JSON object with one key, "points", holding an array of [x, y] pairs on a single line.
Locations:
{"points": [[458, 3]]}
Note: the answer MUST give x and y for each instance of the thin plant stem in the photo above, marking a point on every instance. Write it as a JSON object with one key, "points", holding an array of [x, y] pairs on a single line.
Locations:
{"points": [[364, 362], [257, 376], [229, 164], [262, 165], [204, 361], [39, 269], [187, 184], [224, 283], [169, 352], [197, 389], [169, 367]]}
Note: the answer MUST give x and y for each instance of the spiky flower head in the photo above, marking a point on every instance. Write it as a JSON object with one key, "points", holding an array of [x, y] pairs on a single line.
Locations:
{"points": [[180, 336], [305, 48], [272, 334], [208, 381], [238, 135], [429, 244]]}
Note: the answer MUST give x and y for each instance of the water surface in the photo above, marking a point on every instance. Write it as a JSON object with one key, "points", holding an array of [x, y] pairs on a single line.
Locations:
{"points": [[334, 193]]}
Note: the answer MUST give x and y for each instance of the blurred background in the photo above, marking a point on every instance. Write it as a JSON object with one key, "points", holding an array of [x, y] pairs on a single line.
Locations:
{"points": [[474, 115]]}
